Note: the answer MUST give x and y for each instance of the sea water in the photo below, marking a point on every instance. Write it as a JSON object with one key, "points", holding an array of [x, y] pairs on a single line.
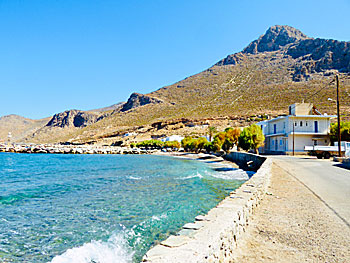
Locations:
{"points": [[101, 208]]}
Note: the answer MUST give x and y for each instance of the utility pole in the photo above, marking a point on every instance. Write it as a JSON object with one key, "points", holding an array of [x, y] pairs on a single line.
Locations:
{"points": [[338, 114], [293, 137]]}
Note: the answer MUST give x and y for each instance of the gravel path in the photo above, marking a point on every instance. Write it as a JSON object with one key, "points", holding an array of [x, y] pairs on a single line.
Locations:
{"points": [[292, 225]]}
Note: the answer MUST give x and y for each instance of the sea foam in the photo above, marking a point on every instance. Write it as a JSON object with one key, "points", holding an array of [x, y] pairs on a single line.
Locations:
{"points": [[191, 176], [116, 249]]}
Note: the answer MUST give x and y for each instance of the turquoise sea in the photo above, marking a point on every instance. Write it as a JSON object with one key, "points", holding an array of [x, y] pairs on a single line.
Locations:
{"points": [[101, 208]]}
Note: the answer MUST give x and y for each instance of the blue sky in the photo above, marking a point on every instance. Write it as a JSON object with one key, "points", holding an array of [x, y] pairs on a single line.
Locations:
{"points": [[83, 54]]}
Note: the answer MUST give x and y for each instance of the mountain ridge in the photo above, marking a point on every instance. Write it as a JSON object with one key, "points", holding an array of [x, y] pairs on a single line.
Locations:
{"points": [[279, 68]]}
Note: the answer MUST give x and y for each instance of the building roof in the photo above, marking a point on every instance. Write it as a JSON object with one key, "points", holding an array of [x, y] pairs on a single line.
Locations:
{"points": [[299, 116]]}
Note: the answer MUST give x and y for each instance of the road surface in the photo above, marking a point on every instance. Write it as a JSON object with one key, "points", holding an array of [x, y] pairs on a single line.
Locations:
{"points": [[330, 183]]}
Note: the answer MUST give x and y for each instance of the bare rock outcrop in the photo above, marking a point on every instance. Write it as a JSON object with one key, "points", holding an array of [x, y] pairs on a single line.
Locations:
{"points": [[275, 38], [136, 100], [307, 55], [72, 118]]}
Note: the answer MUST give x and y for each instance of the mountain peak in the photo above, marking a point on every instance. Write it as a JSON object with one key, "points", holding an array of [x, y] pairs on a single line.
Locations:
{"points": [[275, 38]]}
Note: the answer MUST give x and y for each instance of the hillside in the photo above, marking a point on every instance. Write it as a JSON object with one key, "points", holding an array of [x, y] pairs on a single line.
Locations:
{"points": [[19, 127], [281, 67]]}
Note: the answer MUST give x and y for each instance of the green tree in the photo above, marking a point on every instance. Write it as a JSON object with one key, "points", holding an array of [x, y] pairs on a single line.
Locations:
{"points": [[200, 143], [209, 147], [194, 145], [218, 141], [232, 135], [172, 144], [188, 144], [344, 131], [150, 144], [251, 137]]}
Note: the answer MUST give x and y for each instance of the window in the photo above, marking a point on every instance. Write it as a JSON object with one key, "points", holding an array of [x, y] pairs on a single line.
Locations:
{"points": [[326, 140], [305, 123], [274, 128], [281, 142], [295, 123], [301, 123], [315, 142], [284, 125]]}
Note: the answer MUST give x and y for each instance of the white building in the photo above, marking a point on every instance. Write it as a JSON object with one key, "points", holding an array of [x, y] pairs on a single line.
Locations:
{"points": [[303, 126], [173, 138]]}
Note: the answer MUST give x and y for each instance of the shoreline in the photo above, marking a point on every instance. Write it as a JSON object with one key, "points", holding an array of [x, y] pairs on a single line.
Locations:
{"points": [[214, 236], [71, 149], [245, 197], [199, 157]]}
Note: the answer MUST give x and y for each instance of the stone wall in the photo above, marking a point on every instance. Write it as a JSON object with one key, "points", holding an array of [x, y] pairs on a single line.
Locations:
{"points": [[246, 160], [213, 237]]}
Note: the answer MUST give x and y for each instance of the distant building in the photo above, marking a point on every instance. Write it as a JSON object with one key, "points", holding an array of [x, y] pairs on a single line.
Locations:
{"points": [[304, 121], [173, 138]]}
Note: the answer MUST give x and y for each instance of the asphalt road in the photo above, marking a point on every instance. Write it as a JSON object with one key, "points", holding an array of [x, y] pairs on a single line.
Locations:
{"points": [[330, 183]]}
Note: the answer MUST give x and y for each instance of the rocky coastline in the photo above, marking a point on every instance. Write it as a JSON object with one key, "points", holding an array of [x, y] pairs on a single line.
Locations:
{"points": [[72, 149]]}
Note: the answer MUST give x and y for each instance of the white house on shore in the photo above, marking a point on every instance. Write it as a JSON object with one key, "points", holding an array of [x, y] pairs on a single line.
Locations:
{"points": [[304, 126], [173, 138]]}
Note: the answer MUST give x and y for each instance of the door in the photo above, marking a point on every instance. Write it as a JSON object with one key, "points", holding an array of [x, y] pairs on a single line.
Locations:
{"points": [[316, 126], [276, 145]]}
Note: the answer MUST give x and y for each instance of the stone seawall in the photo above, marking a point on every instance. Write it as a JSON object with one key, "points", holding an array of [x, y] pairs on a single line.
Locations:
{"points": [[213, 237], [245, 160]]}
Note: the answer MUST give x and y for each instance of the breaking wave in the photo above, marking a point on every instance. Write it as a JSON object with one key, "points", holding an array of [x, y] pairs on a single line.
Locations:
{"points": [[116, 249], [191, 176]]}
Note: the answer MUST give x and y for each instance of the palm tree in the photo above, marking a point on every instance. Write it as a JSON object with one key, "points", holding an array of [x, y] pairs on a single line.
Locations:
{"points": [[211, 131]]}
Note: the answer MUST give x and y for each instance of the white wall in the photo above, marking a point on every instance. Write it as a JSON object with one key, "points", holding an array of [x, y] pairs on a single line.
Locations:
{"points": [[308, 124], [281, 143], [301, 141]]}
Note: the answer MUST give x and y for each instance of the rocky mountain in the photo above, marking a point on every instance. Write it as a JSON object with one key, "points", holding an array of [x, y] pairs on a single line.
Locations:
{"points": [[309, 55], [72, 118], [275, 38], [281, 67], [108, 108], [136, 100]]}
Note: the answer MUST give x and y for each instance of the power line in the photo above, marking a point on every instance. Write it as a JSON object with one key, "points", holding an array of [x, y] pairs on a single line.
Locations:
{"points": [[326, 86]]}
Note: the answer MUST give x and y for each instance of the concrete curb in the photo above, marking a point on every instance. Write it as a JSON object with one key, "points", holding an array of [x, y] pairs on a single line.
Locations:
{"points": [[213, 237]]}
